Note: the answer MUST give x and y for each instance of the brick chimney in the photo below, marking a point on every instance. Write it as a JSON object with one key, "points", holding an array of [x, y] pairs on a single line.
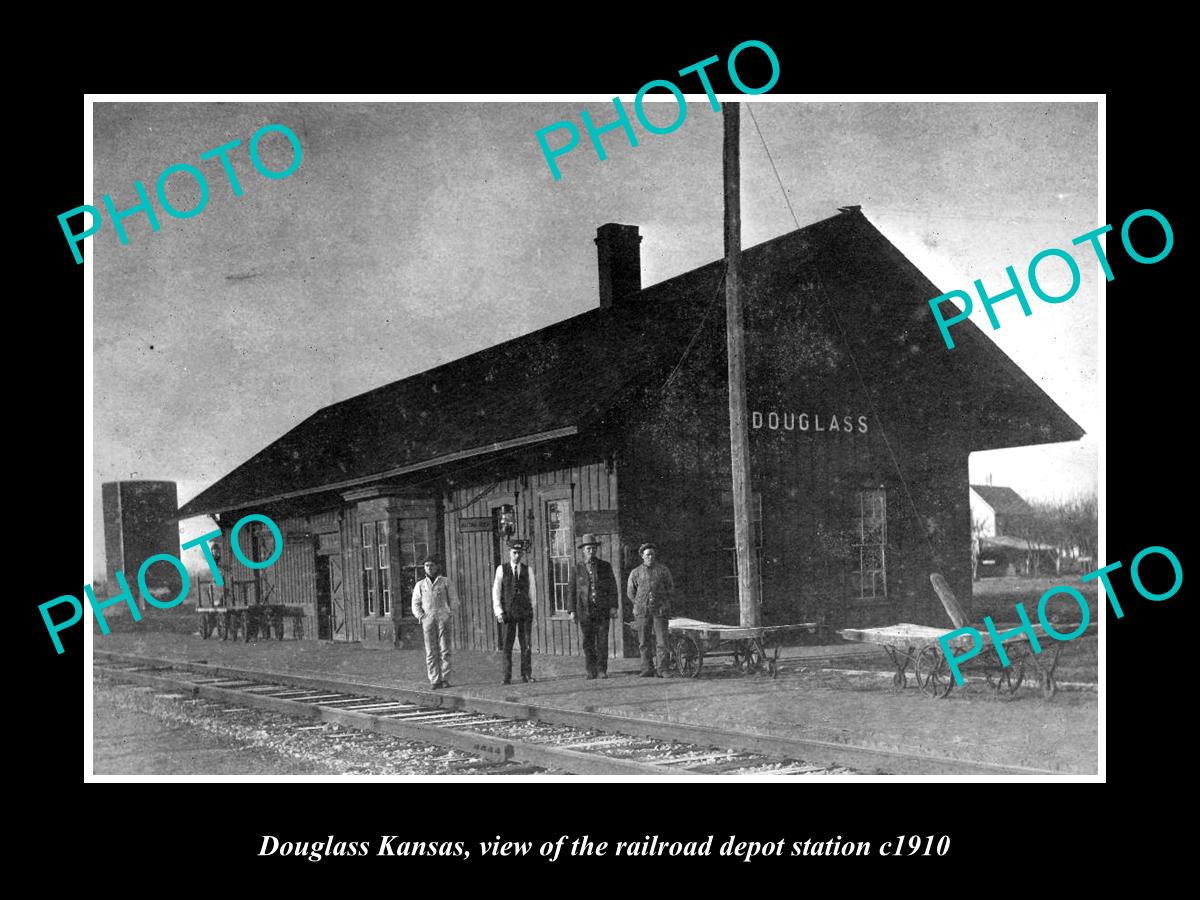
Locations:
{"points": [[620, 258]]}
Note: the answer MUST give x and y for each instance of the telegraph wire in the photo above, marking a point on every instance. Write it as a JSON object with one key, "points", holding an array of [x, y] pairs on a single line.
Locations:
{"points": [[825, 300], [712, 304]]}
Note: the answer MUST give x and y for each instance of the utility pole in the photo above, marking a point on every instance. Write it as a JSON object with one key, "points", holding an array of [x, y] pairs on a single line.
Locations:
{"points": [[749, 605]]}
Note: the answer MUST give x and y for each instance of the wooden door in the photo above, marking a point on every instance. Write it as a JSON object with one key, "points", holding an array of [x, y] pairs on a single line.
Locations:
{"points": [[263, 542], [337, 597]]}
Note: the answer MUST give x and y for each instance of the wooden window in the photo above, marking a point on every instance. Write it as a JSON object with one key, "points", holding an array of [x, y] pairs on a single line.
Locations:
{"points": [[560, 553], [870, 541], [262, 542], [385, 575], [414, 547], [368, 564], [756, 524]]}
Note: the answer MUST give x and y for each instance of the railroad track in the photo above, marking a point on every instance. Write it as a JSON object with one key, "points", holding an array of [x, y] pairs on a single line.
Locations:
{"points": [[512, 744], [337, 749], [502, 731]]}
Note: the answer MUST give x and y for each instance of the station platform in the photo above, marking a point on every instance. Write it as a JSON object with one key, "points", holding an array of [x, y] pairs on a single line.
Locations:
{"points": [[841, 694]]}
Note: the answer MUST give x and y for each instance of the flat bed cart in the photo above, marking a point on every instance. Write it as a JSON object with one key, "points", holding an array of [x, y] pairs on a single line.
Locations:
{"points": [[917, 646], [692, 641], [249, 621]]}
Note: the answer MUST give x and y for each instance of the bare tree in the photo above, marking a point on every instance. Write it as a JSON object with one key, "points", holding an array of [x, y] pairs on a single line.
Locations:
{"points": [[1070, 526]]}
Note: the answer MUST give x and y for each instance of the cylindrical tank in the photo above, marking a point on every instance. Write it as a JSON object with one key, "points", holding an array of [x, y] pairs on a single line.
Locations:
{"points": [[139, 521]]}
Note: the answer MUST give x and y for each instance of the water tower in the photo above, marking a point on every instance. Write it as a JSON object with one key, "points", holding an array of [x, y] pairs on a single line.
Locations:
{"points": [[140, 520]]}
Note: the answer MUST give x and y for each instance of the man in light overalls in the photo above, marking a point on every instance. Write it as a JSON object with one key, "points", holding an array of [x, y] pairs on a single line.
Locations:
{"points": [[433, 605]]}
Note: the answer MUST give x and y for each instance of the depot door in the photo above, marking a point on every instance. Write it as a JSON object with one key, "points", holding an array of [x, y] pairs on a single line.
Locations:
{"points": [[324, 632], [337, 599]]}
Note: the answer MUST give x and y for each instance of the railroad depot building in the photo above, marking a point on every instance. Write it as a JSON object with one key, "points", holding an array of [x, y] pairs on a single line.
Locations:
{"points": [[615, 422]]}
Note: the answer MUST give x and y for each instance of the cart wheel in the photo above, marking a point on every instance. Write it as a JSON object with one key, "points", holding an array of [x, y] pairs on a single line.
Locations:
{"points": [[1049, 686], [687, 656], [773, 668], [223, 626], [1006, 679], [277, 625], [933, 672], [899, 679], [206, 626], [298, 628], [751, 657]]}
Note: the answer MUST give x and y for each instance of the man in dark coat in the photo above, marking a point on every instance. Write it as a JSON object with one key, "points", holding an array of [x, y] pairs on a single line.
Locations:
{"points": [[514, 596], [591, 601]]}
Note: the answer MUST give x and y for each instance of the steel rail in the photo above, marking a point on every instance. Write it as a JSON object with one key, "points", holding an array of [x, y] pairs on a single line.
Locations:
{"points": [[487, 747], [865, 760]]}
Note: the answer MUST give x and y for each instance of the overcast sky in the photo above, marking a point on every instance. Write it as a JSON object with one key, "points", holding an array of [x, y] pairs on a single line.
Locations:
{"points": [[413, 234]]}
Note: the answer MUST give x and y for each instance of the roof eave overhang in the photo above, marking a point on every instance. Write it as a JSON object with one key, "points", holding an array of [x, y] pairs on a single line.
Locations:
{"points": [[187, 511]]}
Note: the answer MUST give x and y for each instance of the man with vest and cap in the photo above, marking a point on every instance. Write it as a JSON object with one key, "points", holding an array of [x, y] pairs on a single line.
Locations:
{"points": [[514, 595], [433, 605], [650, 588], [591, 601]]}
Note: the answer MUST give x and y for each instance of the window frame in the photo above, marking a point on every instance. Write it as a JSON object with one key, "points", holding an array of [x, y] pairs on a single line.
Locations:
{"points": [[417, 569], [563, 493], [368, 567], [383, 533], [861, 545]]}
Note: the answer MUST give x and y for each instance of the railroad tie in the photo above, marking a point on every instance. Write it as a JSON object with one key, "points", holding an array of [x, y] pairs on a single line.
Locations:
{"points": [[719, 768], [315, 699], [695, 759], [797, 770], [598, 742], [340, 702], [377, 705]]}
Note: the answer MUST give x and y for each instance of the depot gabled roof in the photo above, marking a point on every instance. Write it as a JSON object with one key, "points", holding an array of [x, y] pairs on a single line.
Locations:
{"points": [[560, 380]]}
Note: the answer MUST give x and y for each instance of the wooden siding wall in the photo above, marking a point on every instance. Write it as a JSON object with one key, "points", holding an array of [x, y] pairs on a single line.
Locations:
{"points": [[675, 464], [292, 579], [472, 564], [296, 581], [253, 585], [352, 560]]}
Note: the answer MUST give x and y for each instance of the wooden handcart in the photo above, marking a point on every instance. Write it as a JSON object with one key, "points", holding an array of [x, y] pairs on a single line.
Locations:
{"points": [[692, 641], [250, 621], [918, 646], [221, 612]]}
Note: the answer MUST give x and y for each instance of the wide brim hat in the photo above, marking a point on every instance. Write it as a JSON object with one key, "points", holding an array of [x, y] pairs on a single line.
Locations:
{"points": [[588, 540], [518, 544], [649, 545]]}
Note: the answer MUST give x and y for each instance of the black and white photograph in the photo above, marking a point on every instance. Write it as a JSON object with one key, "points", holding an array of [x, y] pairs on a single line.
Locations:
{"points": [[681, 437]]}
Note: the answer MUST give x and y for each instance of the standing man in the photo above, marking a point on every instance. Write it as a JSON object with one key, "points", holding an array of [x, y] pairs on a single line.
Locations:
{"points": [[433, 604], [591, 601], [514, 595], [650, 588]]}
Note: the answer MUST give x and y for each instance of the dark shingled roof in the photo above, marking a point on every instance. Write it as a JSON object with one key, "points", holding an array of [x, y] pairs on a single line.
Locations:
{"points": [[565, 377], [1007, 542], [1003, 500]]}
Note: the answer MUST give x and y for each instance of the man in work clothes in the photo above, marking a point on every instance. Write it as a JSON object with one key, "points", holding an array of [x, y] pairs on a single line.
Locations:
{"points": [[514, 595], [433, 604], [591, 601], [650, 588]]}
